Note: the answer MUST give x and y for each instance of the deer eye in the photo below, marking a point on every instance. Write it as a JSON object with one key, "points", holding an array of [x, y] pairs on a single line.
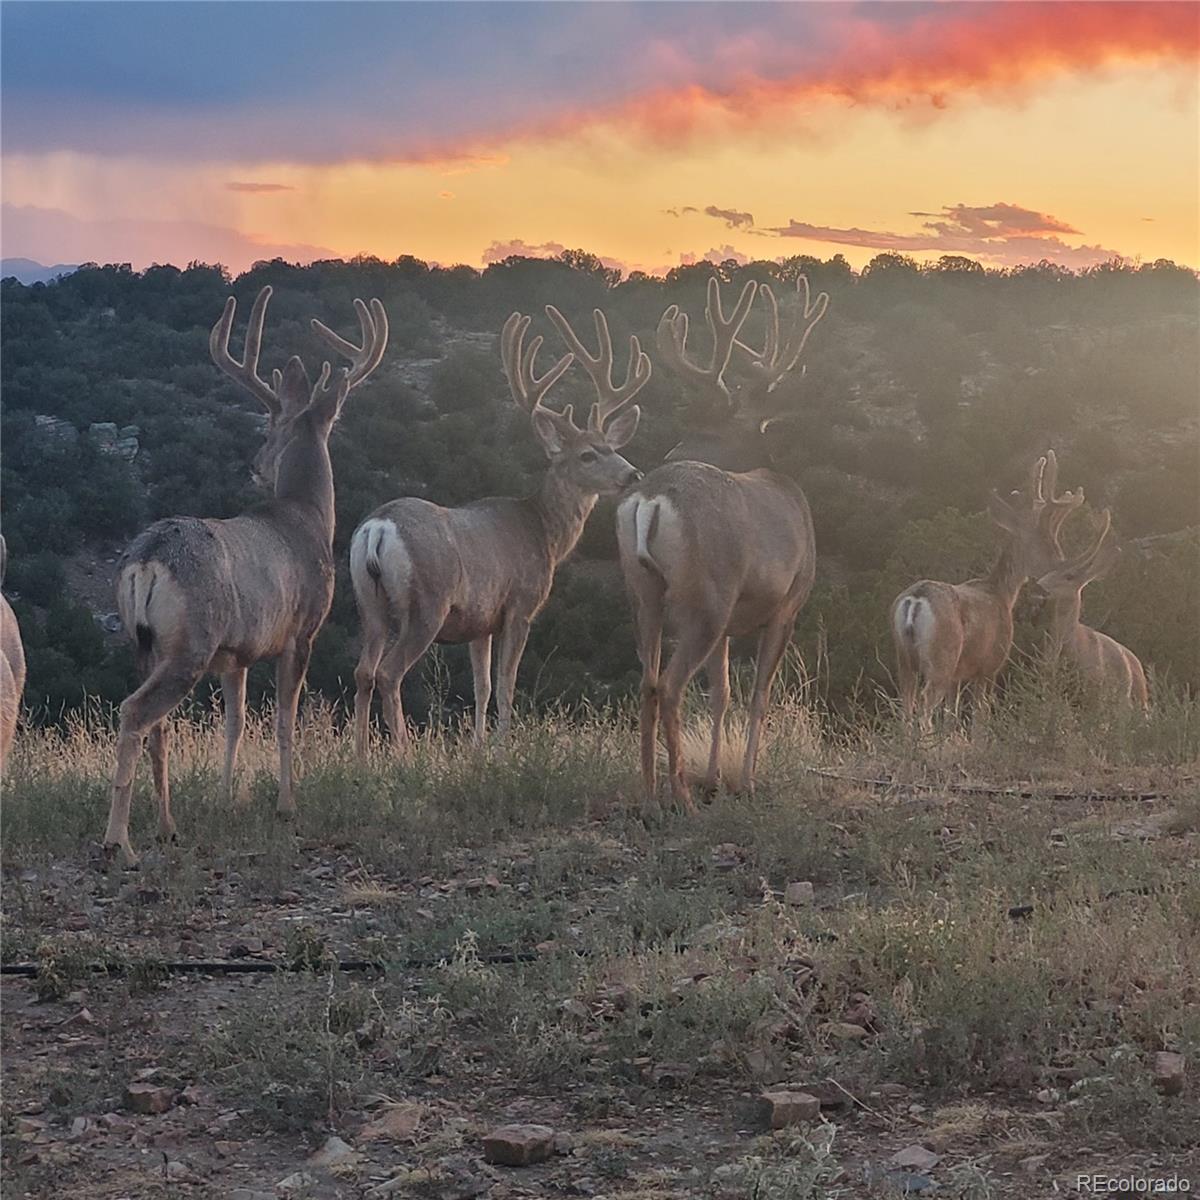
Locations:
{"points": [[588, 456]]}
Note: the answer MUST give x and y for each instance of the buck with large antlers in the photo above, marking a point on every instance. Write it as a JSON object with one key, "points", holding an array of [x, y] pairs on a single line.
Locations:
{"points": [[12, 667], [948, 635], [214, 596], [1099, 659], [715, 543], [423, 573]]}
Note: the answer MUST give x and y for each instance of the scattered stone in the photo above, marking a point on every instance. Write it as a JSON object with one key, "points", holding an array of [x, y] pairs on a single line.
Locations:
{"points": [[334, 1151], [297, 1181], [798, 893], [727, 856], [828, 1094], [861, 1010], [148, 1098], [916, 1158], [250, 1194], [1047, 1096], [671, 1074], [177, 1170], [396, 1124], [518, 1145], [1169, 1071], [781, 1109], [845, 1031]]}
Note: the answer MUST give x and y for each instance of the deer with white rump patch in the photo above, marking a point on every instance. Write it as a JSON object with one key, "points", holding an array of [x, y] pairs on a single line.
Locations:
{"points": [[215, 596], [12, 667], [423, 573], [1100, 660], [947, 635], [715, 543]]}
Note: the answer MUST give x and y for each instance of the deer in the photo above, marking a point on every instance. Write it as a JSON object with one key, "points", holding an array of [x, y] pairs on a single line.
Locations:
{"points": [[423, 573], [949, 635], [716, 543], [12, 667], [201, 596], [1100, 660]]}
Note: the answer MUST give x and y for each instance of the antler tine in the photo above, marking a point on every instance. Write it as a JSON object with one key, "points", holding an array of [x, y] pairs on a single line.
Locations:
{"points": [[724, 332], [1036, 475], [373, 324], [811, 313], [246, 371], [780, 354], [1095, 560], [671, 340], [610, 399], [526, 387]]}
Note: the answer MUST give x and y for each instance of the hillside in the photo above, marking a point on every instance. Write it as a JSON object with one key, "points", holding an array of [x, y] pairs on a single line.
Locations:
{"points": [[924, 389]]}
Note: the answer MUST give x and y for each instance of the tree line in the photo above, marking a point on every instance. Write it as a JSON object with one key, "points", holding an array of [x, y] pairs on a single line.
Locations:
{"points": [[928, 386]]}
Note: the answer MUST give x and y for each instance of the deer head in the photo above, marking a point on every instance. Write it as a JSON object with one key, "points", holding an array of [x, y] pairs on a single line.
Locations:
{"points": [[732, 422], [1069, 578], [1033, 519], [587, 456], [295, 405]]}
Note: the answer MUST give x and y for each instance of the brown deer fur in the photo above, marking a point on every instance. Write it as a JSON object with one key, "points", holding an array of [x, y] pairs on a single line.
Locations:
{"points": [[1100, 660], [950, 634], [12, 668], [214, 596], [423, 573], [708, 553]]}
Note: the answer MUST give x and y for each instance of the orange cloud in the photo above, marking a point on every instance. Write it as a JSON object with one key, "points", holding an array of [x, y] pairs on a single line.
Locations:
{"points": [[236, 186], [999, 50]]}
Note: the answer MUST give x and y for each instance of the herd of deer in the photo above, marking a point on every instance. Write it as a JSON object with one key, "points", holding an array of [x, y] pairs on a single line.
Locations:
{"points": [[714, 544]]}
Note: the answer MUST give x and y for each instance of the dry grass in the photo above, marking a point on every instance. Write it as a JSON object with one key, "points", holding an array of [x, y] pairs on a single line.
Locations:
{"points": [[666, 965]]}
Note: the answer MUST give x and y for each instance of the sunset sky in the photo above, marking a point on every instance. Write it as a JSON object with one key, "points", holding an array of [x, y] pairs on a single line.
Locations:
{"points": [[650, 134]]}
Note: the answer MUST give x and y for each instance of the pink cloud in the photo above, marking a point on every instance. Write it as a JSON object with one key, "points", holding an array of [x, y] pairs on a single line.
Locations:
{"points": [[237, 186], [718, 254], [1005, 234]]}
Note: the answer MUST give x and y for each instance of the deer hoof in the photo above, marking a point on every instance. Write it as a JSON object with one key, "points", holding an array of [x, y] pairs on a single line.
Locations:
{"points": [[651, 813], [117, 854]]}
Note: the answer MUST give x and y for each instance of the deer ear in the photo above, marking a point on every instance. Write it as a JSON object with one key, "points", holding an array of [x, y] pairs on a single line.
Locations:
{"points": [[622, 427], [546, 426]]}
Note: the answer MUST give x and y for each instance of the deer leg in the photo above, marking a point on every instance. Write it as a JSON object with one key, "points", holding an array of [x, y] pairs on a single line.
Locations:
{"points": [[233, 696], [398, 659], [649, 618], [141, 711], [906, 674], [364, 687], [771, 645], [158, 742], [512, 646], [289, 679], [481, 671], [717, 672], [693, 649]]}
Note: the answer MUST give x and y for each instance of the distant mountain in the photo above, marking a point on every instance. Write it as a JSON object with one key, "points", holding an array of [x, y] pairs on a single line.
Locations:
{"points": [[28, 271]]}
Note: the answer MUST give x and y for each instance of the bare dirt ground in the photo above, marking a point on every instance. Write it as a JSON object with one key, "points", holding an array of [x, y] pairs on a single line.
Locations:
{"points": [[667, 982]]}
